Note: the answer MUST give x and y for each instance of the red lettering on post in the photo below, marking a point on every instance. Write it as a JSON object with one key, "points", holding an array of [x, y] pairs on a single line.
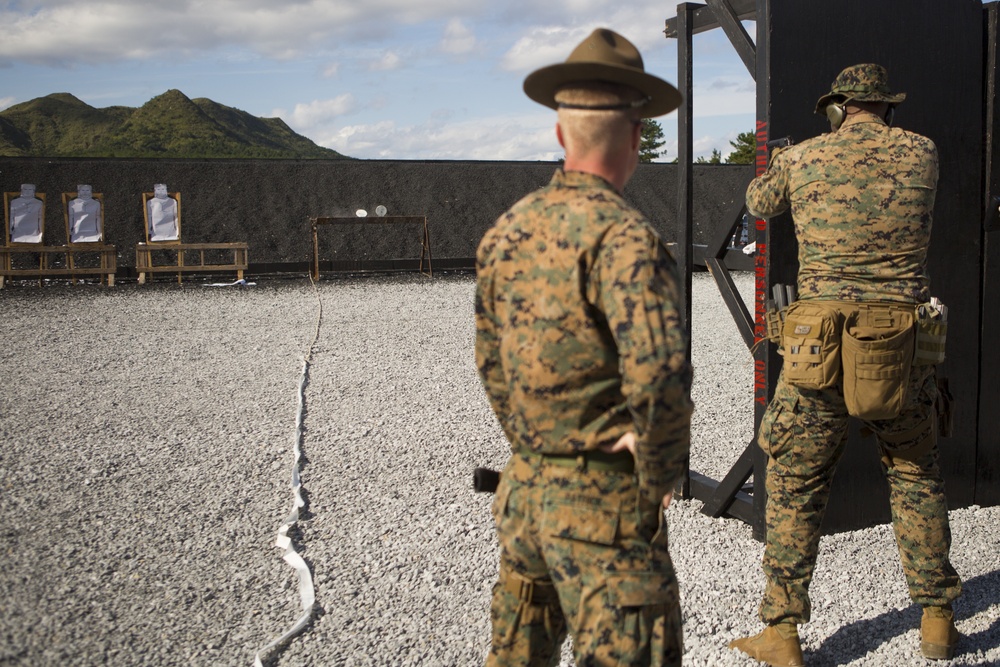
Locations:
{"points": [[760, 275], [760, 382]]}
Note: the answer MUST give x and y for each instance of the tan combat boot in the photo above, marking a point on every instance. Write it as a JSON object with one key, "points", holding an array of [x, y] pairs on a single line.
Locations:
{"points": [[938, 635], [777, 645]]}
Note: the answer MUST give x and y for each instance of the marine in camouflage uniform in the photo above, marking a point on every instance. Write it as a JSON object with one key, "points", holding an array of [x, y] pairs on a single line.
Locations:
{"points": [[583, 355], [861, 199]]}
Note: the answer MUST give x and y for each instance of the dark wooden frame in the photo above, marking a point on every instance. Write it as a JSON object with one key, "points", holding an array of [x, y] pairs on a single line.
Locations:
{"points": [[425, 241]]}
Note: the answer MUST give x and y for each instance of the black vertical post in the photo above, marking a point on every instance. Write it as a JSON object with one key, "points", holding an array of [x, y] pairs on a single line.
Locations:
{"points": [[987, 467], [685, 148], [765, 358]]}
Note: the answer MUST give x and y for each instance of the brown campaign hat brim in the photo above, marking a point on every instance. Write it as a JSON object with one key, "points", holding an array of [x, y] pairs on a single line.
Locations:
{"points": [[604, 56], [541, 85]]}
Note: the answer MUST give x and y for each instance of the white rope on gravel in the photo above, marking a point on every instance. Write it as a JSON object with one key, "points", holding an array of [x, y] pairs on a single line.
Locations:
{"points": [[307, 593]]}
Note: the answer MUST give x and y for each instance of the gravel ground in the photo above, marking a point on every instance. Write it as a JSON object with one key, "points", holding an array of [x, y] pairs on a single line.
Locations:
{"points": [[147, 439]]}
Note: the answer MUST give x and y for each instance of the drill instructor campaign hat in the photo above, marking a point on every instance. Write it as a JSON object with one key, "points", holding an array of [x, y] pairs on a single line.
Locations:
{"points": [[862, 83], [604, 56]]}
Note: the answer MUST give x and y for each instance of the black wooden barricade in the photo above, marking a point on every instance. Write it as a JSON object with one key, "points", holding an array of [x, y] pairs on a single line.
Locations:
{"points": [[987, 482], [799, 49]]}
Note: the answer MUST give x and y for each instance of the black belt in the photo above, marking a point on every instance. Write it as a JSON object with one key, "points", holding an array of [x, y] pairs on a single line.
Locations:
{"points": [[592, 460]]}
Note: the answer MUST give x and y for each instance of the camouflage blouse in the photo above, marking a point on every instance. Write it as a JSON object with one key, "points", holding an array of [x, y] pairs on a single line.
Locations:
{"points": [[579, 332], [862, 200]]}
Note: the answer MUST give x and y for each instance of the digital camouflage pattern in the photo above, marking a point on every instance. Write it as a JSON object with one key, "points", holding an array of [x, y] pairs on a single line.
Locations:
{"points": [[803, 433], [579, 332], [864, 83], [579, 340], [862, 200], [599, 571]]}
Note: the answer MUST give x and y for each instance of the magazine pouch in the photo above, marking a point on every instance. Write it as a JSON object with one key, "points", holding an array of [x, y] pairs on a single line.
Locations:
{"points": [[877, 356], [773, 319], [932, 333], [810, 344]]}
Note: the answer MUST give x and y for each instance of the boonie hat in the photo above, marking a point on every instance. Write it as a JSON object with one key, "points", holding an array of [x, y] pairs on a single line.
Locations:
{"points": [[604, 56], [862, 83]]}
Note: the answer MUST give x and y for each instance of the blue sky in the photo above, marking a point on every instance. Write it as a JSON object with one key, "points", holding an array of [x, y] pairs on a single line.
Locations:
{"points": [[377, 79]]}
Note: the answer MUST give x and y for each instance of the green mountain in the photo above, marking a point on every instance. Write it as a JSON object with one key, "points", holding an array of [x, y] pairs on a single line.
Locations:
{"points": [[168, 126]]}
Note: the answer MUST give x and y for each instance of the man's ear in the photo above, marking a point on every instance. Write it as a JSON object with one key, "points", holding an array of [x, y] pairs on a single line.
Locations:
{"points": [[636, 135], [559, 135]]}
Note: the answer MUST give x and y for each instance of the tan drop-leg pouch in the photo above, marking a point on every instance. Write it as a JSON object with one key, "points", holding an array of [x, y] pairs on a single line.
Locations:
{"points": [[877, 354]]}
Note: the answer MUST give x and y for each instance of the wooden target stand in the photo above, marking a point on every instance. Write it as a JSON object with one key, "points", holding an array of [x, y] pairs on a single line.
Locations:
{"points": [[48, 255], [425, 239], [144, 263]]}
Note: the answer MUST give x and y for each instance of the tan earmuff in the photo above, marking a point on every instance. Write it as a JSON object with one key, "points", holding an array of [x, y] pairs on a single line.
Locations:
{"points": [[836, 113]]}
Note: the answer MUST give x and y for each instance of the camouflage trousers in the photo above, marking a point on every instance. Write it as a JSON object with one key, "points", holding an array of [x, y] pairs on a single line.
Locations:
{"points": [[576, 550], [803, 432]]}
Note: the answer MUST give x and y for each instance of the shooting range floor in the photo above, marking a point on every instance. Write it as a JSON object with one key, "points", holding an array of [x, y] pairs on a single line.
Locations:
{"points": [[145, 466]]}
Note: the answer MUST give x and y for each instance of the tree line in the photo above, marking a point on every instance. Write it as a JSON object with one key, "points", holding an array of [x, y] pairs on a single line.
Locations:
{"points": [[650, 148]]}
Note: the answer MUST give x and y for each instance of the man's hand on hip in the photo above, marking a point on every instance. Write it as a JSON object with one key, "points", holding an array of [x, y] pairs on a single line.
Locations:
{"points": [[627, 441]]}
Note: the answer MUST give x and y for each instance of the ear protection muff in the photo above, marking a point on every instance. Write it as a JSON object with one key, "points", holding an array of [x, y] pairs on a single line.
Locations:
{"points": [[890, 115], [836, 112]]}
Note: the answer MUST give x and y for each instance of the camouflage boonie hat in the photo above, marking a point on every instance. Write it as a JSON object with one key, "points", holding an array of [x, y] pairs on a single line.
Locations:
{"points": [[862, 83]]}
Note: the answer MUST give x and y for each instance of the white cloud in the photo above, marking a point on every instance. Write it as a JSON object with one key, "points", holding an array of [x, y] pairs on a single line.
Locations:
{"points": [[705, 145], [557, 27], [458, 38], [732, 85], [504, 138], [716, 99], [93, 31], [542, 46], [318, 113], [196, 43], [6, 102], [389, 61]]}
